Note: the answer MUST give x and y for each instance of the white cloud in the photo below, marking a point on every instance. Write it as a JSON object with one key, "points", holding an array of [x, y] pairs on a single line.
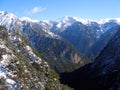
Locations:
{"points": [[35, 10]]}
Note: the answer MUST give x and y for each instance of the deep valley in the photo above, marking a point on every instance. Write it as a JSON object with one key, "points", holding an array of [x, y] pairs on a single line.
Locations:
{"points": [[82, 54]]}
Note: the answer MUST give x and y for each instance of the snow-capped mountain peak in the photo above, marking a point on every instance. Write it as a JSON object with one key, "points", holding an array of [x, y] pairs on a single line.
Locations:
{"points": [[66, 19], [103, 21], [5, 15], [28, 19], [82, 20], [7, 19], [65, 22]]}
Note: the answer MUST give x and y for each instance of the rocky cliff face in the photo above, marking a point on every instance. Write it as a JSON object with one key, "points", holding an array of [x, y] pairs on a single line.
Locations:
{"points": [[22, 68], [103, 74]]}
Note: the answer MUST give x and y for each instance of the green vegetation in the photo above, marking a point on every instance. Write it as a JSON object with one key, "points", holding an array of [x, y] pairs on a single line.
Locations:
{"points": [[3, 85], [3, 33], [28, 73]]}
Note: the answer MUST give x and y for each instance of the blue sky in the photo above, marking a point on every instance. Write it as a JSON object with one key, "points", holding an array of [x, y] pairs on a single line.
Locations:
{"points": [[55, 9]]}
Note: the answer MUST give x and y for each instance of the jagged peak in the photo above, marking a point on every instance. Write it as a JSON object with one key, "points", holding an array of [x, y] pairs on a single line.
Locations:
{"points": [[66, 19], [5, 13]]}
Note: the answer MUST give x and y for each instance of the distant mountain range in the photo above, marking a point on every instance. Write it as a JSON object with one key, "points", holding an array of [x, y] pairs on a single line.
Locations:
{"points": [[66, 41]]}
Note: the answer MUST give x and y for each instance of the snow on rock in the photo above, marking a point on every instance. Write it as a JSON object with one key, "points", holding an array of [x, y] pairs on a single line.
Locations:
{"points": [[5, 57], [13, 37], [32, 55], [52, 34], [2, 75], [5, 60], [83, 21], [65, 22], [10, 81], [28, 48]]}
